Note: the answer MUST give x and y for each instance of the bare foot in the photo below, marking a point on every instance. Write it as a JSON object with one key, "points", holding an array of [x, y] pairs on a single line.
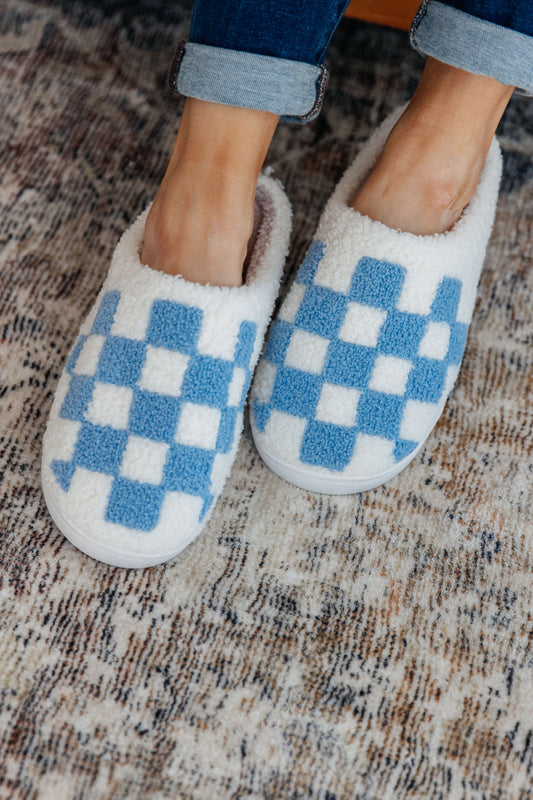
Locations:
{"points": [[431, 163], [202, 216], [199, 234]]}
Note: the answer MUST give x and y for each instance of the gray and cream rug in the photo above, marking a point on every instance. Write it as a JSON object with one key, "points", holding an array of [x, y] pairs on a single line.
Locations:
{"points": [[375, 646]]}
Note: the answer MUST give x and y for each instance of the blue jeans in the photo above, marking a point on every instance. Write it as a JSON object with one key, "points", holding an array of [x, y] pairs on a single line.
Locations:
{"points": [[268, 54]]}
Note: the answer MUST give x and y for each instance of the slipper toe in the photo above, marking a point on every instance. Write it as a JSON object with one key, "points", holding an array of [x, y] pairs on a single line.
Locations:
{"points": [[368, 342]]}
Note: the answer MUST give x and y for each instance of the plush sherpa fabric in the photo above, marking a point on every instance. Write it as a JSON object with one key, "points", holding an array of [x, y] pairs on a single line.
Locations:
{"points": [[148, 411], [358, 647], [368, 342]]}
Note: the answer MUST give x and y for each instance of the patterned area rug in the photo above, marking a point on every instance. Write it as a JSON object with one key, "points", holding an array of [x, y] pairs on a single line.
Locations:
{"points": [[305, 646]]}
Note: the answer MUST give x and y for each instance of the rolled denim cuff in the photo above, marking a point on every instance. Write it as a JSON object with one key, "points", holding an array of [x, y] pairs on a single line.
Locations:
{"points": [[293, 90], [474, 44]]}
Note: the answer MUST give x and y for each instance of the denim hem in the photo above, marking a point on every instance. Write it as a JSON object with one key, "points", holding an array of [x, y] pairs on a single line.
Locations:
{"points": [[474, 44], [294, 90]]}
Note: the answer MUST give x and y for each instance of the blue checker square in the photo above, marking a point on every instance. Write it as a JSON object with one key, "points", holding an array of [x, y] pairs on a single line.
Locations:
{"points": [[403, 448], [207, 381], [261, 414], [446, 302], [377, 283], [380, 414], [309, 266], [121, 361], [401, 334], [245, 344], [174, 326], [321, 311], [208, 502], [226, 430], [77, 398], [426, 380], [278, 341], [456, 347], [349, 365], [106, 313], [63, 470], [326, 445], [73, 357], [188, 469], [296, 392], [134, 505], [100, 448], [154, 416]]}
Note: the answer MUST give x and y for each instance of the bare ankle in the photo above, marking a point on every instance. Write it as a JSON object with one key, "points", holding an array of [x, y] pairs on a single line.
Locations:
{"points": [[432, 161], [201, 236], [202, 216], [417, 187]]}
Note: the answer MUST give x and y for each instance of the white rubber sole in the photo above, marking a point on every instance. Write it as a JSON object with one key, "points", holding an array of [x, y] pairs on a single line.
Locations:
{"points": [[100, 552], [329, 483]]}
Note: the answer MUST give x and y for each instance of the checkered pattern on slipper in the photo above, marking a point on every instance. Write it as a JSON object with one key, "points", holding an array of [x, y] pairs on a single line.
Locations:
{"points": [[148, 412], [368, 342], [153, 417], [360, 372]]}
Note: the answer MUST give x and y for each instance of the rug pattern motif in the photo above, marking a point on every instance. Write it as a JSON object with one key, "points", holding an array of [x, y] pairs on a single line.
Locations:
{"points": [[374, 647]]}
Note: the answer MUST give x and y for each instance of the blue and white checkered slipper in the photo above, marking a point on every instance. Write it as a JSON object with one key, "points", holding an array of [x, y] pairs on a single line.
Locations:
{"points": [[148, 412], [367, 344]]}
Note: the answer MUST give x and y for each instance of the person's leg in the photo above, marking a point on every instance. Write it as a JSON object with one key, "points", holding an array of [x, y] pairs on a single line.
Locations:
{"points": [[240, 77], [203, 213], [429, 169], [432, 161]]}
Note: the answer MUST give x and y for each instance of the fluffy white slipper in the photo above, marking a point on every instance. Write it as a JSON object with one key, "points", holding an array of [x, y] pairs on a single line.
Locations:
{"points": [[148, 412], [368, 342]]}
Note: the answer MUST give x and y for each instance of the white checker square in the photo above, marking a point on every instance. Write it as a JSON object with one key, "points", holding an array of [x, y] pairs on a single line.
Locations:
{"points": [[335, 271], [291, 304], [337, 405], [373, 455], [419, 290], [220, 471], [306, 351], [436, 341], [144, 460], [198, 426], [65, 438], [284, 434], [180, 512], [87, 361], [163, 371], [362, 324], [110, 405], [451, 376], [219, 317], [236, 386], [132, 315], [418, 420], [89, 494], [264, 381], [390, 375]]}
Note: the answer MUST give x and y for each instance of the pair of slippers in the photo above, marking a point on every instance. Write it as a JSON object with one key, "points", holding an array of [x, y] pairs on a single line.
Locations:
{"points": [[358, 365]]}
